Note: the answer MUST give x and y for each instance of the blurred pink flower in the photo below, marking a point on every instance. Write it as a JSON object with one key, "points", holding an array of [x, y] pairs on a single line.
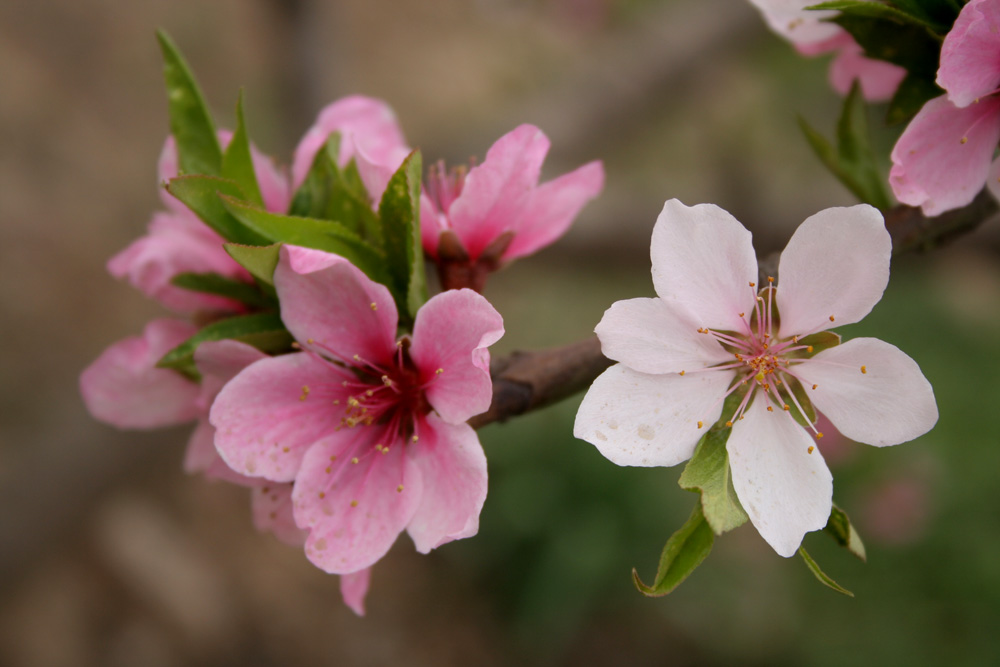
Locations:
{"points": [[371, 430], [710, 333]]}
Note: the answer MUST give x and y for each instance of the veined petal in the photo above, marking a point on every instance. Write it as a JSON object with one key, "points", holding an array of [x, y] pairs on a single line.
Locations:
{"points": [[552, 208], [453, 468], [274, 410], [354, 589], [833, 270], [703, 264], [271, 505], [124, 388], [970, 54], [496, 192], [354, 511], [451, 335], [649, 337], [941, 160], [326, 299], [887, 403], [649, 420], [780, 477]]}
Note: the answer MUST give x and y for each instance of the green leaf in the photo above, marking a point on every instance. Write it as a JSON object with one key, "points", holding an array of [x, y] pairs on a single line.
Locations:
{"points": [[399, 214], [708, 472], [237, 162], [822, 340], [213, 283], [868, 9], [683, 552], [320, 234], [259, 261], [191, 123], [822, 576], [913, 47], [842, 530], [939, 14], [264, 331], [201, 195], [913, 92]]}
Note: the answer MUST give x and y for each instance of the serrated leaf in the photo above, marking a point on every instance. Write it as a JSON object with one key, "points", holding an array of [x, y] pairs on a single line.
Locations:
{"points": [[213, 283], [399, 215], [840, 527], [201, 195], [259, 261], [822, 576], [683, 552], [198, 150], [326, 235], [237, 162], [265, 331], [708, 472], [913, 47], [913, 92]]}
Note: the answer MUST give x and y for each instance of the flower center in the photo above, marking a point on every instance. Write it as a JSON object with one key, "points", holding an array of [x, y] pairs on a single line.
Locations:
{"points": [[444, 185]]}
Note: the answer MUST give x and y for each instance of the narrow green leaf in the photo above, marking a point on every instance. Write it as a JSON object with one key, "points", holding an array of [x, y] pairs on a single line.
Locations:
{"points": [[683, 552], [201, 195], [399, 214], [868, 9], [237, 162], [939, 14], [912, 47], [840, 527], [264, 331], [708, 472], [913, 92], [822, 576], [198, 150], [259, 261], [213, 283], [325, 235]]}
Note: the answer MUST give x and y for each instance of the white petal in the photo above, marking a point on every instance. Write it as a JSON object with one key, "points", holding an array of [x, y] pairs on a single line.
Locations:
{"points": [[780, 477], [649, 337], [836, 265], [891, 402], [649, 420], [703, 262]]}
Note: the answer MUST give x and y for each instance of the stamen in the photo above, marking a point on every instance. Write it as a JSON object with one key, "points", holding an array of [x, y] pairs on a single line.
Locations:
{"points": [[864, 369], [374, 306]]}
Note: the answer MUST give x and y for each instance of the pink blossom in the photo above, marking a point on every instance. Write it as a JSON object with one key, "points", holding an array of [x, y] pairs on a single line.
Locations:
{"points": [[711, 333], [945, 155], [370, 429]]}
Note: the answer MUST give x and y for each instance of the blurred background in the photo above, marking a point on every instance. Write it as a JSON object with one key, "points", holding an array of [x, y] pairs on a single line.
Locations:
{"points": [[110, 555]]}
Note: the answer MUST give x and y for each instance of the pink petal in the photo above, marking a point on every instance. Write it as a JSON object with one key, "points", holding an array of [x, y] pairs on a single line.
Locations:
{"points": [[703, 264], [791, 19], [219, 362], [453, 468], [355, 511], [941, 160], [201, 456], [274, 410], [432, 224], [273, 513], [354, 589], [167, 168], [649, 337], [374, 175], [970, 54], [123, 386], [273, 183], [552, 208], [326, 299], [450, 336], [636, 419], [878, 79], [362, 122], [833, 270], [780, 477], [891, 402], [497, 191]]}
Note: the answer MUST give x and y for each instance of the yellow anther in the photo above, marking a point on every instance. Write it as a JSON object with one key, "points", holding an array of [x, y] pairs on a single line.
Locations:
{"points": [[354, 460], [753, 284], [815, 385], [354, 503], [399, 489], [770, 409], [385, 450], [700, 424], [831, 318], [809, 349], [963, 140], [759, 377], [682, 372], [439, 371], [729, 424], [370, 392], [374, 306], [386, 381], [864, 369], [284, 449], [333, 458], [742, 314], [819, 434], [770, 279], [785, 407], [811, 448], [795, 339], [310, 340], [305, 392], [322, 495], [328, 469], [414, 438], [356, 357]]}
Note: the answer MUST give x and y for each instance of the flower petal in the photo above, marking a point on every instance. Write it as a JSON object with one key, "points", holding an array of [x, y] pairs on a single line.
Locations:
{"points": [[780, 477], [649, 420], [888, 403], [354, 589], [790, 19], [326, 299], [941, 159], [649, 337], [450, 336], [970, 54], [124, 388], [703, 264], [453, 468], [552, 208], [496, 192], [879, 80], [271, 505], [833, 270], [274, 410], [354, 511], [201, 456], [219, 362]]}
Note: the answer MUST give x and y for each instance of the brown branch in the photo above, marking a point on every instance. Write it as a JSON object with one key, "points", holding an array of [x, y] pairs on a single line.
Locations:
{"points": [[911, 230]]}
